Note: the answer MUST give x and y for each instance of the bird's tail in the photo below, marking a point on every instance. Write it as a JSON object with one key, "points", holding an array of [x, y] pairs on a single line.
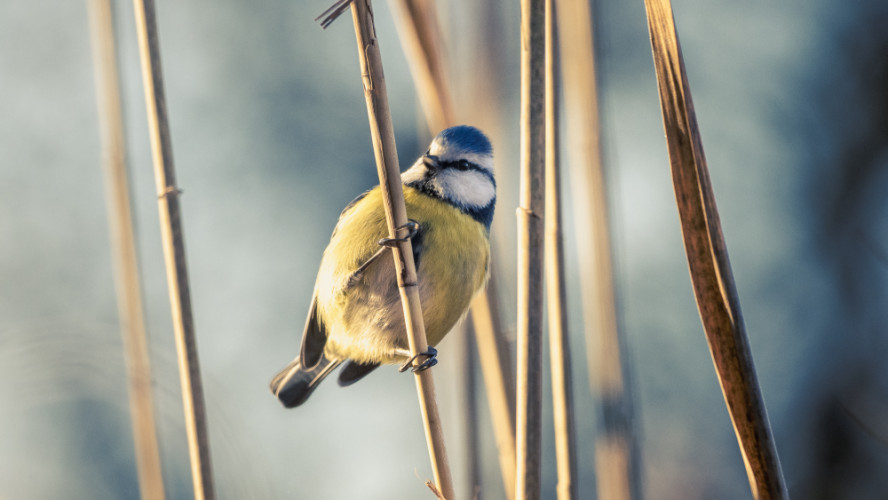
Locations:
{"points": [[295, 383]]}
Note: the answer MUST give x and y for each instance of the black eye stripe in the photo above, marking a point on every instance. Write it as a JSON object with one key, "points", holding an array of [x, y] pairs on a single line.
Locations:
{"points": [[461, 165]]}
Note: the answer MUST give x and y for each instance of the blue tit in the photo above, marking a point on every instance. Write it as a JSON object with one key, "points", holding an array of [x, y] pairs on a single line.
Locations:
{"points": [[356, 315]]}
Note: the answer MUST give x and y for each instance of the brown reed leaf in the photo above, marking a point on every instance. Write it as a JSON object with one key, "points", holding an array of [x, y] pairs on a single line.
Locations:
{"points": [[707, 256]]}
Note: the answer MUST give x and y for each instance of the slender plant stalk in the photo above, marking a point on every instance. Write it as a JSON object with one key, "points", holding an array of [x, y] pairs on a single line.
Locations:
{"points": [[616, 456], [556, 295], [123, 251], [710, 268], [174, 251], [496, 367], [470, 412], [419, 33], [417, 26], [480, 102], [530, 250], [382, 134]]}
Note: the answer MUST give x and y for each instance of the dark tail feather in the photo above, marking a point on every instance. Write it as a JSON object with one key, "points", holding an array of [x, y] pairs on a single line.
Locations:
{"points": [[295, 383], [354, 371]]}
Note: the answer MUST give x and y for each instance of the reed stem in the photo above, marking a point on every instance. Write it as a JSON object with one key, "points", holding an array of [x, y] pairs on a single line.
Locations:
{"points": [[388, 168], [556, 295], [123, 251], [616, 455], [496, 367], [174, 251], [708, 261], [420, 36], [530, 251], [417, 25], [470, 412]]}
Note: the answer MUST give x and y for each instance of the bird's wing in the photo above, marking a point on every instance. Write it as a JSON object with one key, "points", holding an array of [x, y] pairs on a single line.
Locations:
{"points": [[356, 276], [350, 205], [373, 219], [358, 273], [313, 338]]}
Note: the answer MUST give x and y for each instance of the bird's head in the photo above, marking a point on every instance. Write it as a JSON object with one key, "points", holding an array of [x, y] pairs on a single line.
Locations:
{"points": [[458, 168]]}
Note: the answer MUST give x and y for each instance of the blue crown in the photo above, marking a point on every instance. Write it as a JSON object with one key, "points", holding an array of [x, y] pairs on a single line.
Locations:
{"points": [[465, 138]]}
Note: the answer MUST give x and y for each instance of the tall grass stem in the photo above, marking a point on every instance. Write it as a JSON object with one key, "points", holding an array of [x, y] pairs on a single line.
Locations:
{"points": [[499, 384], [616, 456], [388, 168], [530, 252], [419, 31], [556, 295], [174, 251], [123, 251], [470, 412]]}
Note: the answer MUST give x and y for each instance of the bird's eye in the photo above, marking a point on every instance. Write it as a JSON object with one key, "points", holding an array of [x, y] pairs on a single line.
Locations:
{"points": [[463, 165]]}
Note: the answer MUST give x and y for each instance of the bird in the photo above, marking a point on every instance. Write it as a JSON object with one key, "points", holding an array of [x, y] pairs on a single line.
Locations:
{"points": [[356, 317]]}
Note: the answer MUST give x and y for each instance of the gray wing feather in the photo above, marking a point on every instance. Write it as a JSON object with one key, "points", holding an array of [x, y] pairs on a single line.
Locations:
{"points": [[313, 337]]}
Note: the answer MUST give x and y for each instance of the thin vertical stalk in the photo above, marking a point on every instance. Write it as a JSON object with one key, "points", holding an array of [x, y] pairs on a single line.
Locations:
{"points": [[496, 367], [708, 261], [556, 295], [616, 456], [174, 251], [480, 101], [530, 250], [417, 27], [419, 33], [388, 168], [470, 411], [123, 251]]}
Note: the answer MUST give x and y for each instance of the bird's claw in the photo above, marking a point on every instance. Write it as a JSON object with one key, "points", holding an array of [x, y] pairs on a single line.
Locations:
{"points": [[431, 360], [412, 228]]}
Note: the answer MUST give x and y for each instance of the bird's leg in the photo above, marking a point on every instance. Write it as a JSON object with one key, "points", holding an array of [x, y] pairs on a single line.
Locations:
{"points": [[359, 272], [413, 229], [431, 355]]}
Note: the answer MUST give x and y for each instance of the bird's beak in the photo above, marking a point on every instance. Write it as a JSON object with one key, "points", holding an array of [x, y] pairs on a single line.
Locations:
{"points": [[431, 163]]}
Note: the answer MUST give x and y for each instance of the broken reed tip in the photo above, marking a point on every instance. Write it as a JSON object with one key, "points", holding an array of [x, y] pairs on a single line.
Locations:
{"points": [[328, 16]]}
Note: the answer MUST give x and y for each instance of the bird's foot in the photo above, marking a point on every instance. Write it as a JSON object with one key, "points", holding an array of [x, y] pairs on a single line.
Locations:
{"points": [[431, 355], [412, 228]]}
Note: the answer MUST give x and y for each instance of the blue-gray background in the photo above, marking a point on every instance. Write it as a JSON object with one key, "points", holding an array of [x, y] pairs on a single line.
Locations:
{"points": [[270, 141]]}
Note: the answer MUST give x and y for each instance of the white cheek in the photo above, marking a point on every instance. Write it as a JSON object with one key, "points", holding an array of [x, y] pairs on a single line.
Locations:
{"points": [[469, 188]]}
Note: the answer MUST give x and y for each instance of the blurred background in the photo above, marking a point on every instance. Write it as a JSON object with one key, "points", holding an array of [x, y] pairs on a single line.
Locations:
{"points": [[270, 141]]}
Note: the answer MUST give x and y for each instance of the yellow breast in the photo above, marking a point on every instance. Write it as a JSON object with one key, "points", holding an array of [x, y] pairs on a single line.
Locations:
{"points": [[365, 321]]}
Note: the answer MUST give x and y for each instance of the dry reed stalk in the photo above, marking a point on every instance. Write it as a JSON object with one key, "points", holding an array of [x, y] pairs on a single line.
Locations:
{"points": [[481, 102], [530, 251], [123, 251], [388, 168], [420, 37], [556, 295], [496, 367], [616, 453], [174, 251], [417, 26], [710, 268], [470, 410]]}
